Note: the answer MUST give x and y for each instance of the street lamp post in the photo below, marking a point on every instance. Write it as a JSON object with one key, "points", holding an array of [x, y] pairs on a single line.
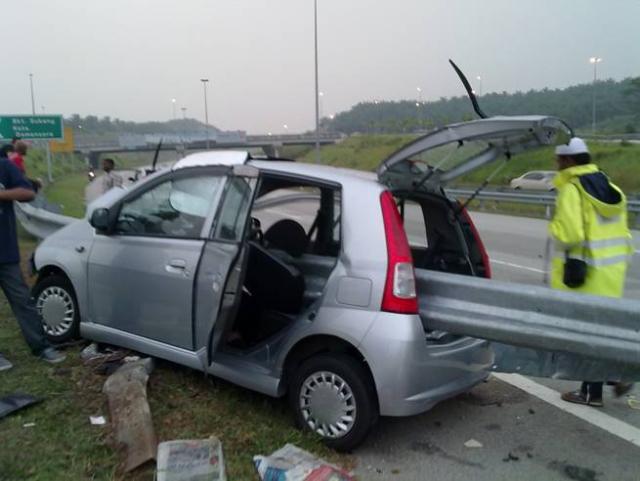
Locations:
{"points": [[206, 110], [595, 61], [315, 32], [479, 79], [33, 100], [173, 105], [184, 125], [418, 105]]}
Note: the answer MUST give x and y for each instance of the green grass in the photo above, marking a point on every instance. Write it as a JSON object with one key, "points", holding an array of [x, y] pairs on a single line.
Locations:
{"points": [[621, 161], [68, 191], [363, 152], [184, 404]]}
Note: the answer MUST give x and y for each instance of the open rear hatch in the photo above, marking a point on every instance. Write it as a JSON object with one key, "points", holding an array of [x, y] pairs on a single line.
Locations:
{"points": [[441, 234], [431, 162]]}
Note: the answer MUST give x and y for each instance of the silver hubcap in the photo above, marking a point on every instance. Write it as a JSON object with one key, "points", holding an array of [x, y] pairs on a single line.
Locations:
{"points": [[56, 308], [327, 404]]}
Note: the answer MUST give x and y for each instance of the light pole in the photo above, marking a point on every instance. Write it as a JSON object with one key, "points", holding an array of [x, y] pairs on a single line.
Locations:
{"points": [[595, 61], [184, 124], [479, 79], [418, 104], [33, 100], [206, 111], [173, 105], [315, 32]]}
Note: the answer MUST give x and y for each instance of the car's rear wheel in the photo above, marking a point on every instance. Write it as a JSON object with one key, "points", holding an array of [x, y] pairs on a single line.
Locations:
{"points": [[333, 396], [56, 303]]}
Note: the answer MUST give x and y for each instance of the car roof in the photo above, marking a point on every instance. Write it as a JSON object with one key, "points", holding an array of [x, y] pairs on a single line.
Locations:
{"points": [[213, 157], [327, 173]]}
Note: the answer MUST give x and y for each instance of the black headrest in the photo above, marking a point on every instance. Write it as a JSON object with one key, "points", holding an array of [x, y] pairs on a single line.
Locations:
{"points": [[287, 235]]}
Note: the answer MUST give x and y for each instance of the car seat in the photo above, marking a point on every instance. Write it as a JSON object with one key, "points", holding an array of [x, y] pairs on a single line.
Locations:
{"points": [[287, 235], [273, 283]]}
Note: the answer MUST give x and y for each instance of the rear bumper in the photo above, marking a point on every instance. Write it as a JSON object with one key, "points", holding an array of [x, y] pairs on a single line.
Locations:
{"points": [[413, 374]]}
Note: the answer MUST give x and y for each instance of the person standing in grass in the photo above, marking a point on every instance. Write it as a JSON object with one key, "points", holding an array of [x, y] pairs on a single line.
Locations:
{"points": [[110, 179], [592, 240], [15, 187]]}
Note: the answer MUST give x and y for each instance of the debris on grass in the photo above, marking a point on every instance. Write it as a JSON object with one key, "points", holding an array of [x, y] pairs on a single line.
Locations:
{"points": [[14, 402], [472, 443], [511, 457], [28, 425], [97, 420], [191, 460], [291, 463], [126, 391]]}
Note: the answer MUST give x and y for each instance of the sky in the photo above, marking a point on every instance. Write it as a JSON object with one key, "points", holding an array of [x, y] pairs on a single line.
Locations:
{"points": [[129, 58]]}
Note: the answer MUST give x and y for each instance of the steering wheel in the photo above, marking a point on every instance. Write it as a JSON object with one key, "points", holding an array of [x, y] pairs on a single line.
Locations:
{"points": [[129, 223]]}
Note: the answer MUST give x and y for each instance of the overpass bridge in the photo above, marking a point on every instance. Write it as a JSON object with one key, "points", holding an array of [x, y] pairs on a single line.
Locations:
{"points": [[269, 143]]}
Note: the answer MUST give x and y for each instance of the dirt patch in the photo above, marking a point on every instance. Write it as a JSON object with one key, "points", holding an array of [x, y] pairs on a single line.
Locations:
{"points": [[429, 448]]}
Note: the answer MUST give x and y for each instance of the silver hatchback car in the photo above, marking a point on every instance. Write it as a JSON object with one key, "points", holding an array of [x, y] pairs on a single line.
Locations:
{"points": [[287, 278]]}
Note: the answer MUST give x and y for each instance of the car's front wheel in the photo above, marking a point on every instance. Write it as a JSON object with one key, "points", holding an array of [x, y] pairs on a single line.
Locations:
{"points": [[334, 397], [56, 303]]}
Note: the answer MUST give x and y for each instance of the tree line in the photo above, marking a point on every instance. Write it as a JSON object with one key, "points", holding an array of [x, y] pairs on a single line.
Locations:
{"points": [[618, 109]]}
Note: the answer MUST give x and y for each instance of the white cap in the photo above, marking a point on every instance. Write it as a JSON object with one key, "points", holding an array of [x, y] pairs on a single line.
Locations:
{"points": [[575, 146]]}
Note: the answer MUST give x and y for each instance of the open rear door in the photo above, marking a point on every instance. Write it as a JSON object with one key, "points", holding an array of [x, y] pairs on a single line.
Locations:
{"points": [[434, 160]]}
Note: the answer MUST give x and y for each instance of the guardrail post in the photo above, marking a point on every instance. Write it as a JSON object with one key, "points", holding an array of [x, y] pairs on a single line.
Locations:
{"points": [[547, 212]]}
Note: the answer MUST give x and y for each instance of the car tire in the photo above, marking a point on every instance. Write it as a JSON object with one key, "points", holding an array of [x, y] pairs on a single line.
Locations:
{"points": [[56, 302], [345, 391]]}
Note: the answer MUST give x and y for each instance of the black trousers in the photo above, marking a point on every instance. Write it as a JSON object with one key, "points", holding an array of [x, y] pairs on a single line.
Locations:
{"points": [[592, 390], [23, 306]]}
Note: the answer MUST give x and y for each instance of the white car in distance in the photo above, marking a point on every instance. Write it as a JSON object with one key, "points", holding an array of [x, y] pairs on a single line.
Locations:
{"points": [[535, 180]]}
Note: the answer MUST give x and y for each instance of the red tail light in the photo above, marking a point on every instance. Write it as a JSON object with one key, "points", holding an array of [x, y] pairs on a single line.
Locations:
{"points": [[400, 286], [480, 244]]}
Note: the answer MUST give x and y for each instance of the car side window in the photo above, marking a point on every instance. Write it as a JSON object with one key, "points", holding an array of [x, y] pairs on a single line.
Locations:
{"points": [[233, 213], [173, 208]]}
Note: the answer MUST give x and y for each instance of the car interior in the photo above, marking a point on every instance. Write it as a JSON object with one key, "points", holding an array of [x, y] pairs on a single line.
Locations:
{"points": [[292, 247], [440, 236]]}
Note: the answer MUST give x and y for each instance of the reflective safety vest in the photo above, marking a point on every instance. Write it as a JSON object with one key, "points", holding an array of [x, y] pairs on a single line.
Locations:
{"points": [[590, 223]]}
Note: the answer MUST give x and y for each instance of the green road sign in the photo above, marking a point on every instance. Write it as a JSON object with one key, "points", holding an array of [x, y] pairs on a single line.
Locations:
{"points": [[31, 127]]}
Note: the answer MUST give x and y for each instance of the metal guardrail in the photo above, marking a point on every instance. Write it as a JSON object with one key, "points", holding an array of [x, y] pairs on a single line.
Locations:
{"points": [[545, 199], [39, 222], [533, 317]]}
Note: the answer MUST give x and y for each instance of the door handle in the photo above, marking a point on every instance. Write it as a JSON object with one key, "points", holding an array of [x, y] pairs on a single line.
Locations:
{"points": [[177, 264]]}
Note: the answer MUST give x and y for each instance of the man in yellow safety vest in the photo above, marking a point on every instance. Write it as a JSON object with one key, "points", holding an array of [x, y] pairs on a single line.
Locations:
{"points": [[592, 239]]}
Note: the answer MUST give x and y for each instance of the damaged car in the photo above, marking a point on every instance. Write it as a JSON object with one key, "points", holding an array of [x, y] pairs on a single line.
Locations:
{"points": [[290, 279]]}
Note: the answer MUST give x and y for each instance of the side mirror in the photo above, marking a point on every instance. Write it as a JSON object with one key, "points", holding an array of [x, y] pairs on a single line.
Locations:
{"points": [[100, 219]]}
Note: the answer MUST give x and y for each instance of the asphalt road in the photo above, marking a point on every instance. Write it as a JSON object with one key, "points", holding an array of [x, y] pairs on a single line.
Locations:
{"points": [[522, 426], [517, 245]]}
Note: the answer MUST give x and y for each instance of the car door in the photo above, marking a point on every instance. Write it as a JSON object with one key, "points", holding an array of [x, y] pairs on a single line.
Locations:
{"points": [[435, 160], [141, 275], [220, 274]]}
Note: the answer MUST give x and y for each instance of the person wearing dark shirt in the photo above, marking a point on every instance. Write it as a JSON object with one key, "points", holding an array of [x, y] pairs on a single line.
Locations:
{"points": [[14, 187]]}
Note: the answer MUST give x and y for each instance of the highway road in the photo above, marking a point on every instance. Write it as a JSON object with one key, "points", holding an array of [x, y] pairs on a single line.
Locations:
{"points": [[517, 245], [525, 431]]}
